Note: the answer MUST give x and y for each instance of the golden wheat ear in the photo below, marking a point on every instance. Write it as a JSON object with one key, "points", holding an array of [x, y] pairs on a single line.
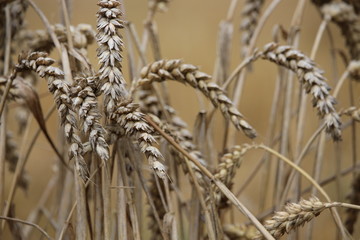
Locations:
{"points": [[312, 80], [189, 74]]}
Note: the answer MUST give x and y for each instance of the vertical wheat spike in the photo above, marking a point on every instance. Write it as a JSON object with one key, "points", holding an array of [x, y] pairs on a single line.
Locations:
{"points": [[109, 53], [250, 16]]}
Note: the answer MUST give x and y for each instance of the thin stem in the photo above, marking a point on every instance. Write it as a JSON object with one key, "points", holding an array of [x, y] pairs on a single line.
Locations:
{"points": [[6, 57], [65, 13], [27, 223], [238, 69], [299, 159], [61, 49], [231, 10], [34, 215], [24, 155]]}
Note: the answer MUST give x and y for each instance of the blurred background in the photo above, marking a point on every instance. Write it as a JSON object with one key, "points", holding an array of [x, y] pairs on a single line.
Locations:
{"points": [[189, 30]]}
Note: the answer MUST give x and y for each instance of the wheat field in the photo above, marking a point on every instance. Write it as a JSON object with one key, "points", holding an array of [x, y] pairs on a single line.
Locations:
{"points": [[177, 119]]}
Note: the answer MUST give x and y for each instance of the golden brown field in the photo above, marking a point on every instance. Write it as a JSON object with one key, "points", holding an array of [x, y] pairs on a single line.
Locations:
{"points": [[178, 119]]}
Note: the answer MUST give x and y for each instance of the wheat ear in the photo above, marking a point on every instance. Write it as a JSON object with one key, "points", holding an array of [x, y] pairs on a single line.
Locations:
{"points": [[250, 16], [40, 40], [226, 168], [186, 73], [344, 16], [127, 120], [312, 80], [109, 53], [41, 64], [85, 101], [296, 215]]}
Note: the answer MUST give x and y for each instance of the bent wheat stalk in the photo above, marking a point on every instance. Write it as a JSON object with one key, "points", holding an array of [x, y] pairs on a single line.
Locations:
{"points": [[186, 73], [41, 64], [312, 80]]}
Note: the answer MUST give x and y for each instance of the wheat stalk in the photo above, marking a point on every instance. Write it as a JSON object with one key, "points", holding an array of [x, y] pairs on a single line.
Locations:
{"points": [[153, 225]]}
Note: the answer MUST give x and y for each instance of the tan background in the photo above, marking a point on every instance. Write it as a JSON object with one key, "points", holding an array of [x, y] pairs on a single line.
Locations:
{"points": [[189, 30]]}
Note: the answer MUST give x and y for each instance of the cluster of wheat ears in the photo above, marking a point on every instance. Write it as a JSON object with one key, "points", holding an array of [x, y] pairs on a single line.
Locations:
{"points": [[127, 167]]}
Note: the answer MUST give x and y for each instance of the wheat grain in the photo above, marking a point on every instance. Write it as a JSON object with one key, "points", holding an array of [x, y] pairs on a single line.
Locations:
{"points": [[312, 80], [186, 73], [353, 112], [355, 4], [13, 93], [354, 69]]}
